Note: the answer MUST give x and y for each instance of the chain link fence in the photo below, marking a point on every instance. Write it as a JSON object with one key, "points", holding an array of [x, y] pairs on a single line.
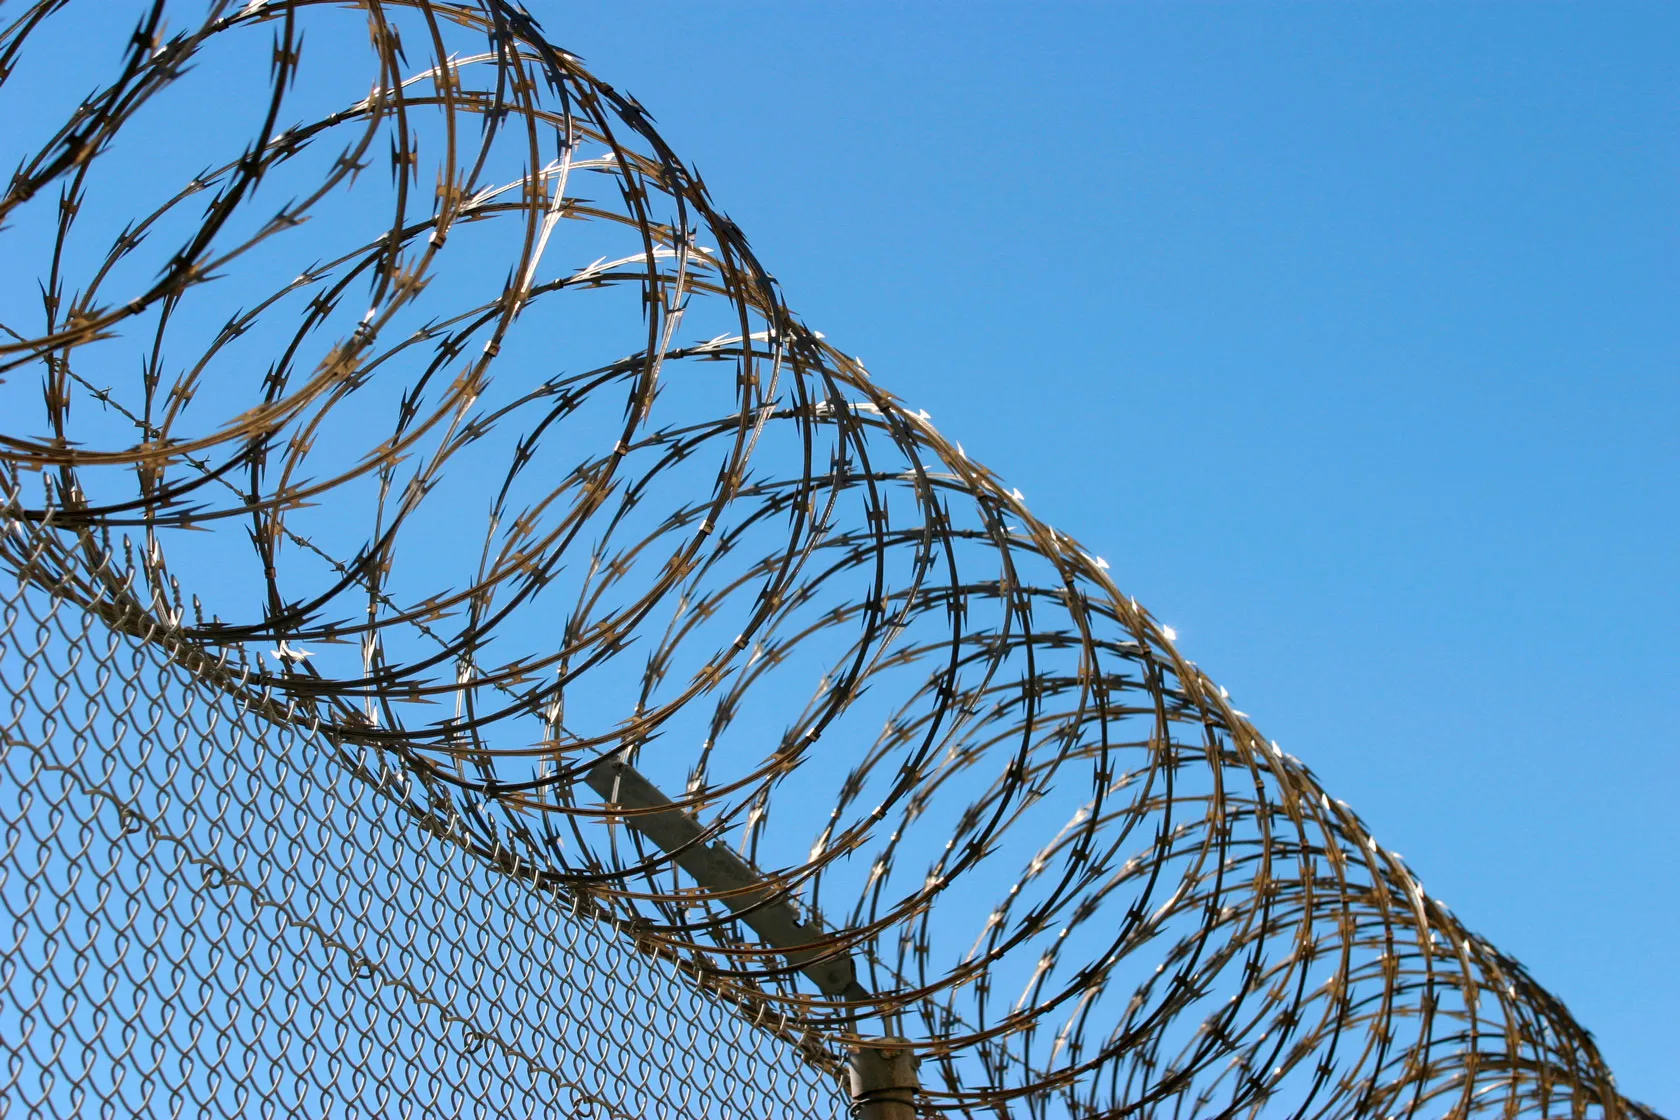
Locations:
{"points": [[209, 913]]}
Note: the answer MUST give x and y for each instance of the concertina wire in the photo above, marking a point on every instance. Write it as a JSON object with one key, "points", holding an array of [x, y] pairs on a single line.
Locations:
{"points": [[423, 400]]}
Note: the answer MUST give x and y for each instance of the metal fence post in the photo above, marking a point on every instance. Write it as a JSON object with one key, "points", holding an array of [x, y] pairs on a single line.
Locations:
{"points": [[882, 1081], [881, 1076]]}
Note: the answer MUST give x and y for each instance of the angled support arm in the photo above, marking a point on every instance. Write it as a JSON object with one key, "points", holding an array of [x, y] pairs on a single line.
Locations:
{"points": [[881, 1081]]}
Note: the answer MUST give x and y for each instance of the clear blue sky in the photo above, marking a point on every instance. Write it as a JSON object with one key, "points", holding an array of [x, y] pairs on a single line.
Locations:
{"points": [[1348, 333]]}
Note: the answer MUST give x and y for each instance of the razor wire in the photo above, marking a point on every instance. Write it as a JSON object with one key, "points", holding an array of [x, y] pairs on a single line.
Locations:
{"points": [[455, 471]]}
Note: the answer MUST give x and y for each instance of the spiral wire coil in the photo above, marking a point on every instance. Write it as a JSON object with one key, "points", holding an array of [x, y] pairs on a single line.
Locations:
{"points": [[434, 467]]}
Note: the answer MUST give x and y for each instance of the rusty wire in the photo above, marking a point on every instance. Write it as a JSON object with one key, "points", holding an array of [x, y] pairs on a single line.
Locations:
{"points": [[434, 414]]}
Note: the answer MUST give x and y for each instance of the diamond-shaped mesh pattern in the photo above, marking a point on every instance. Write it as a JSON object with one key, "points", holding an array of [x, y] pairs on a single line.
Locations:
{"points": [[211, 914]]}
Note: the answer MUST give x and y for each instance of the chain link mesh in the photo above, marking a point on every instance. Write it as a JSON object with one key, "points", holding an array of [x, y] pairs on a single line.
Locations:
{"points": [[213, 914]]}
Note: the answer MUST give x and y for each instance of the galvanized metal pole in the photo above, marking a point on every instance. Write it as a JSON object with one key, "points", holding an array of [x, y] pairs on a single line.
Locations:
{"points": [[761, 905], [881, 1079], [882, 1082]]}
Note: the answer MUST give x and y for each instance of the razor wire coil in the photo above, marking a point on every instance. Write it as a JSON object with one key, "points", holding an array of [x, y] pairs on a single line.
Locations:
{"points": [[415, 438]]}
